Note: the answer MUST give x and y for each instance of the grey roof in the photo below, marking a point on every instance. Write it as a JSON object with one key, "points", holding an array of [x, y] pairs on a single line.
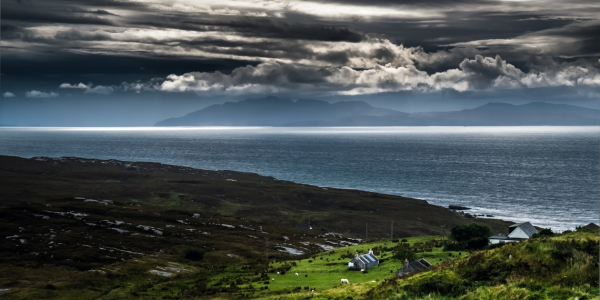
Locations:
{"points": [[413, 266], [592, 226], [425, 262], [498, 237], [368, 258], [503, 237], [303, 227], [526, 227]]}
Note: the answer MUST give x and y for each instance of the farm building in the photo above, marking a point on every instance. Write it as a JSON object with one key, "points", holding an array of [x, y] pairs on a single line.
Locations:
{"points": [[363, 262], [516, 232], [410, 267]]}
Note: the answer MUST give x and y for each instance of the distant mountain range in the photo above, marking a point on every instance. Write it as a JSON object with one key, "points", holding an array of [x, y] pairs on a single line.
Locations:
{"points": [[272, 111]]}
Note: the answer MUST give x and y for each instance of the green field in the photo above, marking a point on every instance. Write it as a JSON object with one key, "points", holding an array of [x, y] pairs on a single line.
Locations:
{"points": [[325, 270], [561, 267]]}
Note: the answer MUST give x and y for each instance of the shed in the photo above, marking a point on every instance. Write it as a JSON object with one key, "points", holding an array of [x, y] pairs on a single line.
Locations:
{"points": [[365, 261], [303, 227]]}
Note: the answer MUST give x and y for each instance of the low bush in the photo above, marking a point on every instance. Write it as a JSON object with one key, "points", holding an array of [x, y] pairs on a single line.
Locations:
{"points": [[405, 254], [193, 254]]}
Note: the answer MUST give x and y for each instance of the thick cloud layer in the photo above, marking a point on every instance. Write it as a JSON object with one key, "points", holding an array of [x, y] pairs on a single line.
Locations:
{"points": [[480, 73], [55, 48]]}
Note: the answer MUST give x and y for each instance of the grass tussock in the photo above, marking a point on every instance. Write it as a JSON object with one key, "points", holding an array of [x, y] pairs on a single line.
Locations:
{"points": [[563, 267]]}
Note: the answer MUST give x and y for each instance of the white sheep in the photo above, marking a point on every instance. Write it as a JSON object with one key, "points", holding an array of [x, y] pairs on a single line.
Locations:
{"points": [[344, 280], [296, 274], [277, 273], [273, 279]]}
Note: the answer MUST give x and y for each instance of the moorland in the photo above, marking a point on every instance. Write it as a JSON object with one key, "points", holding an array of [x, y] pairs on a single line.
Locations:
{"points": [[76, 228]]}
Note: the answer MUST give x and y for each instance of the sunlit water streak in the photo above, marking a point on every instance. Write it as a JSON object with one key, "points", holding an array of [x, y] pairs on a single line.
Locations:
{"points": [[547, 175]]}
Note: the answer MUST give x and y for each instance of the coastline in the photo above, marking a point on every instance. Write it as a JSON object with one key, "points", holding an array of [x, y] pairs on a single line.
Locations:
{"points": [[328, 205]]}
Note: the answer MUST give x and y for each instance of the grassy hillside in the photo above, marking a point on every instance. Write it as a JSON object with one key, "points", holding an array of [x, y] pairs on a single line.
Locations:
{"points": [[325, 270], [562, 267]]}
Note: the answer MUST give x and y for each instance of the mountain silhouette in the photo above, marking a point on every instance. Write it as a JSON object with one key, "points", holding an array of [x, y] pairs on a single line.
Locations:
{"points": [[272, 111]]}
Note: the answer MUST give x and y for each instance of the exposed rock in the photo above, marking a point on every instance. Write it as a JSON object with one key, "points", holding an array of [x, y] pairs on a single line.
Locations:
{"points": [[458, 207]]}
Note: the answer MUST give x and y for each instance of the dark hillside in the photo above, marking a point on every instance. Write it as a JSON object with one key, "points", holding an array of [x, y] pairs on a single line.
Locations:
{"points": [[60, 217]]}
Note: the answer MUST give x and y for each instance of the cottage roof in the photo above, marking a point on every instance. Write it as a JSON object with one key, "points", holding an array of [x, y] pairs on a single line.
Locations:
{"points": [[503, 237], [409, 267], [526, 227], [368, 258], [303, 227], [592, 226]]}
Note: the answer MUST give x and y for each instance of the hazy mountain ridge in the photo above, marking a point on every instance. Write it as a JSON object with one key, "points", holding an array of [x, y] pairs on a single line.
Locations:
{"points": [[272, 111]]}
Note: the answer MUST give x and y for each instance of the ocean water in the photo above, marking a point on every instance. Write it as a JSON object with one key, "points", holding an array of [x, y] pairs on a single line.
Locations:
{"points": [[547, 175]]}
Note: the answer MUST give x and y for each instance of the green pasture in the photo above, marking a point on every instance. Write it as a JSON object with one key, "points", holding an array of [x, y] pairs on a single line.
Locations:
{"points": [[326, 269]]}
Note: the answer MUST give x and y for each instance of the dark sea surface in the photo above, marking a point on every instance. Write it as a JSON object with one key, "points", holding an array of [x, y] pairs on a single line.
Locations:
{"points": [[547, 175]]}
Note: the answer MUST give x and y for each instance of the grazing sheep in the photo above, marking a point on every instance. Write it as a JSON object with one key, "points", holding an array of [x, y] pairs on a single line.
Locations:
{"points": [[273, 279], [277, 273], [344, 280], [296, 274]]}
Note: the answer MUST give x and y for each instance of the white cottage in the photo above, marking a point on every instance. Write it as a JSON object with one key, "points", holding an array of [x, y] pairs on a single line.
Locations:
{"points": [[516, 233], [363, 262]]}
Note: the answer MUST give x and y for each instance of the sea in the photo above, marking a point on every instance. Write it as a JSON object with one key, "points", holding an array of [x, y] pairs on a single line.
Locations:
{"points": [[549, 176]]}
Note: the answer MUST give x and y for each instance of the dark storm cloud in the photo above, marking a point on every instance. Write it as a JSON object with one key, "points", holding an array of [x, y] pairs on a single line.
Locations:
{"points": [[263, 27], [78, 35], [426, 3], [43, 15], [89, 11], [586, 33], [233, 47]]}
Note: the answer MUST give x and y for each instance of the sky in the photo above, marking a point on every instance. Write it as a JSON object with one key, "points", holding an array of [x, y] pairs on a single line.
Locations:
{"points": [[136, 62]]}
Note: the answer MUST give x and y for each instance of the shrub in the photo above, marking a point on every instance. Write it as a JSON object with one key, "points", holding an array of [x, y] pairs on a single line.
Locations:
{"points": [[193, 254], [405, 254], [464, 233], [472, 236], [582, 229], [545, 232], [477, 243]]}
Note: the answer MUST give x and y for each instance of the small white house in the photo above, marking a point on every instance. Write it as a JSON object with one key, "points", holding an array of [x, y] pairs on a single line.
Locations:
{"points": [[516, 233], [363, 262]]}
